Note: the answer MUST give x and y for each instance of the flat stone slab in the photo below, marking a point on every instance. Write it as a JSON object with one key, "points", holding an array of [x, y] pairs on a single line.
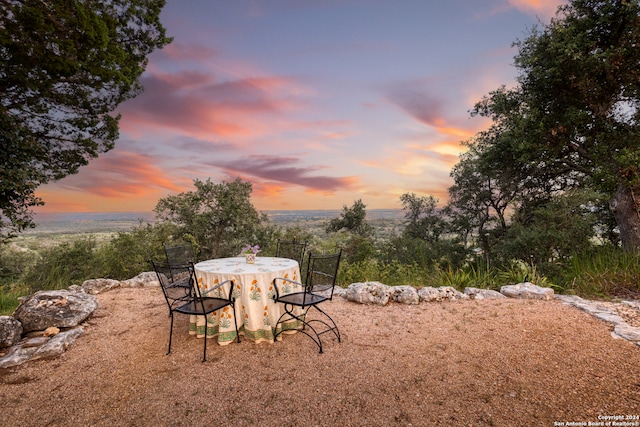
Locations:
{"points": [[62, 308], [443, 293], [527, 290], [148, 279], [369, 293], [97, 286], [44, 347], [476, 293], [627, 332]]}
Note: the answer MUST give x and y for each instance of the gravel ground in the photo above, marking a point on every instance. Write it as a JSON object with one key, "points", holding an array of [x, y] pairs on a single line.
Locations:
{"points": [[465, 363]]}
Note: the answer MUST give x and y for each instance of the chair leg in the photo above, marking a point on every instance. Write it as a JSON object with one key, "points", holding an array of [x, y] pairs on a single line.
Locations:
{"points": [[315, 337], [333, 328], [170, 332], [291, 317], [204, 354]]}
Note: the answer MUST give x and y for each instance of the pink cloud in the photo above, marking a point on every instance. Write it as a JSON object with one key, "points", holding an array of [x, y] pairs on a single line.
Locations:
{"points": [[119, 174], [282, 170], [422, 106], [197, 104], [544, 8]]}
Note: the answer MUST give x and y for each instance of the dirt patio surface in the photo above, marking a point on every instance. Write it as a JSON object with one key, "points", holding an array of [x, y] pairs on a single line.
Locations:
{"points": [[464, 363]]}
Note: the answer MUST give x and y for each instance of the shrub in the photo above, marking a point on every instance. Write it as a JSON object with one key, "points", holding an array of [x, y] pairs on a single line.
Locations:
{"points": [[605, 271], [62, 266], [129, 253], [9, 294]]}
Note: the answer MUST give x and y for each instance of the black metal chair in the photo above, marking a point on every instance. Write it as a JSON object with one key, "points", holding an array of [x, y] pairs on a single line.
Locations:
{"points": [[322, 271], [192, 302], [292, 250], [181, 254]]}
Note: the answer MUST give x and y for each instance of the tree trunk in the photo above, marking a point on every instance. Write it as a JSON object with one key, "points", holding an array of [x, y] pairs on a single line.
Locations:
{"points": [[625, 209]]}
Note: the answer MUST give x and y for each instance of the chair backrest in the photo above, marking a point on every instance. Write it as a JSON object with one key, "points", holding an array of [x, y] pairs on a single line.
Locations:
{"points": [[169, 276], [292, 250], [199, 293], [181, 254], [322, 272]]}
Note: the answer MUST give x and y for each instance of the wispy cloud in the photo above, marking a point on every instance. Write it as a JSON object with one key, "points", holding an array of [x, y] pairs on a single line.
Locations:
{"points": [[419, 104], [286, 170], [543, 8], [197, 104], [121, 174]]}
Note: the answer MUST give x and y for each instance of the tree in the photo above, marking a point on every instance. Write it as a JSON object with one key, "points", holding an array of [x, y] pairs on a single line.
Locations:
{"points": [[481, 194], [65, 65], [422, 219], [550, 232], [220, 217], [577, 121], [353, 220]]}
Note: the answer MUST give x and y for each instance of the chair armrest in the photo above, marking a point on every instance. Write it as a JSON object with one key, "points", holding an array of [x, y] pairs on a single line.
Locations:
{"points": [[218, 286], [275, 286]]}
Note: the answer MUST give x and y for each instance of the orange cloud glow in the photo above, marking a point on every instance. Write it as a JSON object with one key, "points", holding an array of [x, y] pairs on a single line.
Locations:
{"points": [[545, 8], [197, 104], [129, 178]]}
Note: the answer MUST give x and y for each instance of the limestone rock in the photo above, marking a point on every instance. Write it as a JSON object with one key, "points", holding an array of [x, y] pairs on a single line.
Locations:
{"points": [[627, 332], [34, 341], [368, 293], [10, 331], [527, 290], [405, 294], [339, 292], [476, 293], [51, 347], [96, 286], [430, 294], [61, 308], [142, 280]]}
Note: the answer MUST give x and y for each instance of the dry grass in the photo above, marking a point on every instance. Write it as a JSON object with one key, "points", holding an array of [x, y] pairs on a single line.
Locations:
{"points": [[493, 363]]}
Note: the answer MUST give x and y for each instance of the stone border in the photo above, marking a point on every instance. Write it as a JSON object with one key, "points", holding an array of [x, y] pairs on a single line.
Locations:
{"points": [[380, 294]]}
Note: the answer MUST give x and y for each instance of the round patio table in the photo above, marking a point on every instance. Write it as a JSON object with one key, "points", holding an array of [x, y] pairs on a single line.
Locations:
{"points": [[255, 310]]}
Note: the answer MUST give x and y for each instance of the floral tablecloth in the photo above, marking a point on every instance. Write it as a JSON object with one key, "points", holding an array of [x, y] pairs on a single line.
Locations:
{"points": [[256, 312]]}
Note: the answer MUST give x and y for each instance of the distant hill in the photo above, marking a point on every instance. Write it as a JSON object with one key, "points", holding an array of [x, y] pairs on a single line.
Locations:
{"points": [[89, 222], [278, 216]]}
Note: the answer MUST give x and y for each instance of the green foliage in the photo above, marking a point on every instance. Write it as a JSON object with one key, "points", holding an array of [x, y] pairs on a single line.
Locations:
{"points": [[573, 120], [289, 233], [519, 272], [14, 262], [66, 66], [358, 248], [352, 220], [605, 271], [220, 217], [63, 266], [462, 278], [424, 254], [9, 297], [551, 231], [129, 253], [422, 219], [392, 274]]}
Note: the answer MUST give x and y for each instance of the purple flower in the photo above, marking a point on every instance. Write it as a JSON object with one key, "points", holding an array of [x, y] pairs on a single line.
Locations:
{"points": [[248, 249]]}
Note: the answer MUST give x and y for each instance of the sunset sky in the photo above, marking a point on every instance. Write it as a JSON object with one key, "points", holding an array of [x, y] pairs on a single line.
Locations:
{"points": [[318, 103]]}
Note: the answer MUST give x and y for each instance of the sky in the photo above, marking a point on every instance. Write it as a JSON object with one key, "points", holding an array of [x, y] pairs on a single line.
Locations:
{"points": [[317, 103]]}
